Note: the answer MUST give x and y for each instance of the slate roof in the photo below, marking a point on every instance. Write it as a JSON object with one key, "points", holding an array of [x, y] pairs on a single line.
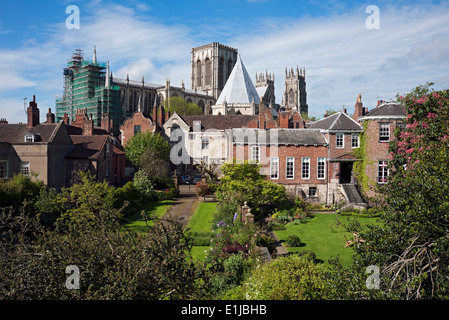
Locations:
{"points": [[219, 122], [389, 109], [87, 147], [284, 136], [339, 121], [15, 132], [239, 88]]}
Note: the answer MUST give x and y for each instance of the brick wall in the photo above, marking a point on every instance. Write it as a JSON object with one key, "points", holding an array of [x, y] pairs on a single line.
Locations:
{"points": [[138, 119]]}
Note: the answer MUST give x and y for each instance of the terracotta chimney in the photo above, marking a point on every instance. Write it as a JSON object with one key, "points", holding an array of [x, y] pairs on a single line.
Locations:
{"points": [[284, 119], [88, 126], [50, 116], [358, 111], [261, 114], [65, 119], [106, 123], [3, 121], [154, 115], [33, 113]]}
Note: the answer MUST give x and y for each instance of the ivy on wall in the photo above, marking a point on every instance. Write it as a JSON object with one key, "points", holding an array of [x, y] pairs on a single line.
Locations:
{"points": [[363, 162]]}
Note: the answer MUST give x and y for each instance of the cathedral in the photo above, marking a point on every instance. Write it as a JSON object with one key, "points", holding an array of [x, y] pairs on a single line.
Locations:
{"points": [[220, 85]]}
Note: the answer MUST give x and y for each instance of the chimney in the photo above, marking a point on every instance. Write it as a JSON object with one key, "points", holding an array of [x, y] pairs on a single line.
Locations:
{"points": [[88, 126], [50, 116], [358, 111], [33, 113], [261, 114], [106, 123], [344, 110], [3, 121], [326, 114], [154, 115], [284, 119], [65, 119], [161, 115]]}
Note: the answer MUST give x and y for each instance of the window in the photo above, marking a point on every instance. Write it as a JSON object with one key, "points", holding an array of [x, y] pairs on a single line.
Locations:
{"points": [[340, 140], [255, 154], [205, 143], [274, 168], [206, 159], [305, 172], [208, 74], [3, 169], [137, 129], [25, 168], [312, 191], [198, 73], [355, 140], [290, 168], [321, 168], [29, 137], [382, 172], [384, 132]]}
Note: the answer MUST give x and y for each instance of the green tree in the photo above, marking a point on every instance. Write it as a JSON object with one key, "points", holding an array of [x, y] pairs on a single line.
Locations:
{"points": [[242, 182], [139, 144], [287, 278], [182, 107], [86, 199]]}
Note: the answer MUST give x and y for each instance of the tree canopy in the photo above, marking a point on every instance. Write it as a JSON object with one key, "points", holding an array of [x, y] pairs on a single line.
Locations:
{"points": [[183, 108]]}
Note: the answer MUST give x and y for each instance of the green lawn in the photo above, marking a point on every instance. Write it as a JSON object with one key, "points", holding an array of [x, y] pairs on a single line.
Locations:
{"points": [[202, 218], [159, 208], [318, 236], [201, 222]]}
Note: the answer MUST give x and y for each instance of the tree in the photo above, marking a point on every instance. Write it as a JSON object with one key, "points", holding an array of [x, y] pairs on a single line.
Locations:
{"points": [[287, 278], [242, 182], [183, 108], [146, 146]]}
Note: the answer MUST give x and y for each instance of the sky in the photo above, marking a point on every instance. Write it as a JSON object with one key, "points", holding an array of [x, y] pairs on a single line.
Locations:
{"points": [[334, 41]]}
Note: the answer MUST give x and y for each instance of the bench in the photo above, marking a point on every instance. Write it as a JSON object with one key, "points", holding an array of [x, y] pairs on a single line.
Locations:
{"points": [[213, 197]]}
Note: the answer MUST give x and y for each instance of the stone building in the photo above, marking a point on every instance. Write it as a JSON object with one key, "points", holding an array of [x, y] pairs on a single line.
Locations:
{"points": [[239, 96], [295, 95], [35, 148], [211, 67]]}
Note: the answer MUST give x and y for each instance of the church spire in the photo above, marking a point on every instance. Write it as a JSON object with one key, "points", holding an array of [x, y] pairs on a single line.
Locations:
{"points": [[94, 59]]}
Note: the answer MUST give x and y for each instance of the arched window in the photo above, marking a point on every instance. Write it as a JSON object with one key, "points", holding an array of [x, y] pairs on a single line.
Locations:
{"points": [[208, 73], [201, 104], [291, 97], [221, 73], [198, 73]]}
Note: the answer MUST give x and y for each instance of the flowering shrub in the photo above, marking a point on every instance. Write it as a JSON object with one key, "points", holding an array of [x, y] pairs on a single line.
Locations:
{"points": [[201, 188]]}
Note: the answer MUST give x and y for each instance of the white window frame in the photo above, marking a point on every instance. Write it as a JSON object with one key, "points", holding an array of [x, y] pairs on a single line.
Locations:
{"points": [[274, 164], [292, 161], [382, 175], [305, 160], [323, 161], [384, 135], [29, 137], [257, 158], [25, 168], [342, 135], [357, 140], [205, 141]]}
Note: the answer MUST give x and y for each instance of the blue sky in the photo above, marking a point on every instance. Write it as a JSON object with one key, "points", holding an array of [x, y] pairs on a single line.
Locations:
{"points": [[153, 39]]}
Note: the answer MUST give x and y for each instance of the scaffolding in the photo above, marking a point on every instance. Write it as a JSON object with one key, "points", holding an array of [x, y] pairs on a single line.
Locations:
{"points": [[84, 88]]}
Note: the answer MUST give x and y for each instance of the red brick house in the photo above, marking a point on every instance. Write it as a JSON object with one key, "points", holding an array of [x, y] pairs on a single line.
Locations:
{"points": [[380, 124], [295, 158]]}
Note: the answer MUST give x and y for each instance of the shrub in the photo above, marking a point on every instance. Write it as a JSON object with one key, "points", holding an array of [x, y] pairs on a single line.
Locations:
{"points": [[201, 188], [144, 186], [293, 240], [264, 240]]}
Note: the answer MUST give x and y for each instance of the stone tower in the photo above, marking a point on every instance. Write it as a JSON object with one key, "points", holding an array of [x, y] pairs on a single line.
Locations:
{"points": [[265, 87], [295, 95], [212, 65]]}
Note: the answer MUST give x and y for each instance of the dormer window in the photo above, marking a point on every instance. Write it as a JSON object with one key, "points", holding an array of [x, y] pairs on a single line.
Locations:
{"points": [[31, 137]]}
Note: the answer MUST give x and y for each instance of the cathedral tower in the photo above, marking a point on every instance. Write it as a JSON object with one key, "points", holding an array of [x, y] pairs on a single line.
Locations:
{"points": [[212, 65], [295, 95]]}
